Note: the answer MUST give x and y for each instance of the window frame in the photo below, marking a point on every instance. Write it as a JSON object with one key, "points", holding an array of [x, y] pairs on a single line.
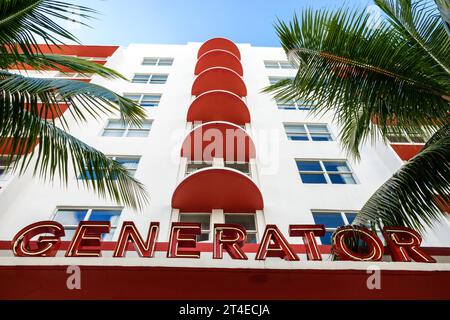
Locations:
{"points": [[89, 210], [279, 64], [126, 129], [255, 220], [343, 215], [308, 131], [295, 105], [326, 173], [115, 157], [150, 77], [403, 133], [141, 97], [158, 61]]}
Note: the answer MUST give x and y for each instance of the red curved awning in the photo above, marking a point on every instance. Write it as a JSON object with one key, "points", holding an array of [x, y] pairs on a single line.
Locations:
{"points": [[218, 139], [219, 78], [213, 188], [219, 105], [219, 43], [218, 58]]}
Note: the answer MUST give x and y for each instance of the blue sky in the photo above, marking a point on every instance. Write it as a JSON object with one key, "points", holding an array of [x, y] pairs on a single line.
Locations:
{"points": [[179, 21]]}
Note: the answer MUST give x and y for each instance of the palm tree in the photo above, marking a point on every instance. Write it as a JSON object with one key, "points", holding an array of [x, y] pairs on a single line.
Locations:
{"points": [[23, 122], [379, 77]]}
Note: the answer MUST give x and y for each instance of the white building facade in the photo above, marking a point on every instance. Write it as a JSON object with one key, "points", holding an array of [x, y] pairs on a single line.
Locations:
{"points": [[292, 170]]}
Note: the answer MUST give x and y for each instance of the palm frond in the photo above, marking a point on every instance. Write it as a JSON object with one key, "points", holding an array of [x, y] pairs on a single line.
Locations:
{"points": [[83, 98], [444, 10], [22, 20], [362, 74], [57, 152], [57, 62], [410, 197]]}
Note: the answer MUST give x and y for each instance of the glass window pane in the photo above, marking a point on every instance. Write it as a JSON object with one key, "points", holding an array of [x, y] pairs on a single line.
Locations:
{"points": [[321, 137], [287, 107], [245, 220], [309, 166], [350, 216], [203, 237], [417, 138], [134, 97], [165, 61], [298, 137], [295, 128], [158, 78], [150, 100], [109, 236], [113, 133], [329, 219], [140, 78], [112, 216], [146, 124], [286, 65], [251, 238], [116, 124], [343, 178], [150, 61], [271, 64], [397, 138], [317, 128], [313, 178], [243, 167], [199, 218], [128, 163], [326, 239], [70, 216], [336, 166], [68, 234], [137, 133]]}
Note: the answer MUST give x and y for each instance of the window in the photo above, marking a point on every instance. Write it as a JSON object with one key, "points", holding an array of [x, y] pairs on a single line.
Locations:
{"points": [[117, 128], [204, 219], [272, 64], [295, 105], [145, 100], [248, 221], [274, 80], [325, 172], [150, 78], [332, 220], [401, 136], [245, 220], [243, 167], [308, 132], [157, 62], [70, 218], [193, 166], [130, 163]]}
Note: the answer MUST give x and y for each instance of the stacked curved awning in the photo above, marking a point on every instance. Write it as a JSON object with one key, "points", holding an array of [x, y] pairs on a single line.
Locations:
{"points": [[219, 105]]}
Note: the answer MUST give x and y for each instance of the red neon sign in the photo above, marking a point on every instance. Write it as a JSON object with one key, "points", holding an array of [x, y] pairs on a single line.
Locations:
{"points": [[403, 243]]}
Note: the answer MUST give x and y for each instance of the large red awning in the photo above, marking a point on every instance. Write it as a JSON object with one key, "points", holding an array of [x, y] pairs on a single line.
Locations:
{"points": [[213, 188], [219, 43], [218, 58], [218, 139], [7, 147], [219, 78], [219, 105]]}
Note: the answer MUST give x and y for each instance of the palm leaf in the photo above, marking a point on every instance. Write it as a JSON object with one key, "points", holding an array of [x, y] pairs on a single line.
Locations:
{"points": [[22, 20], [352, 70], [411, 196], [57, 152], [82, 96], [57, 62]]}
